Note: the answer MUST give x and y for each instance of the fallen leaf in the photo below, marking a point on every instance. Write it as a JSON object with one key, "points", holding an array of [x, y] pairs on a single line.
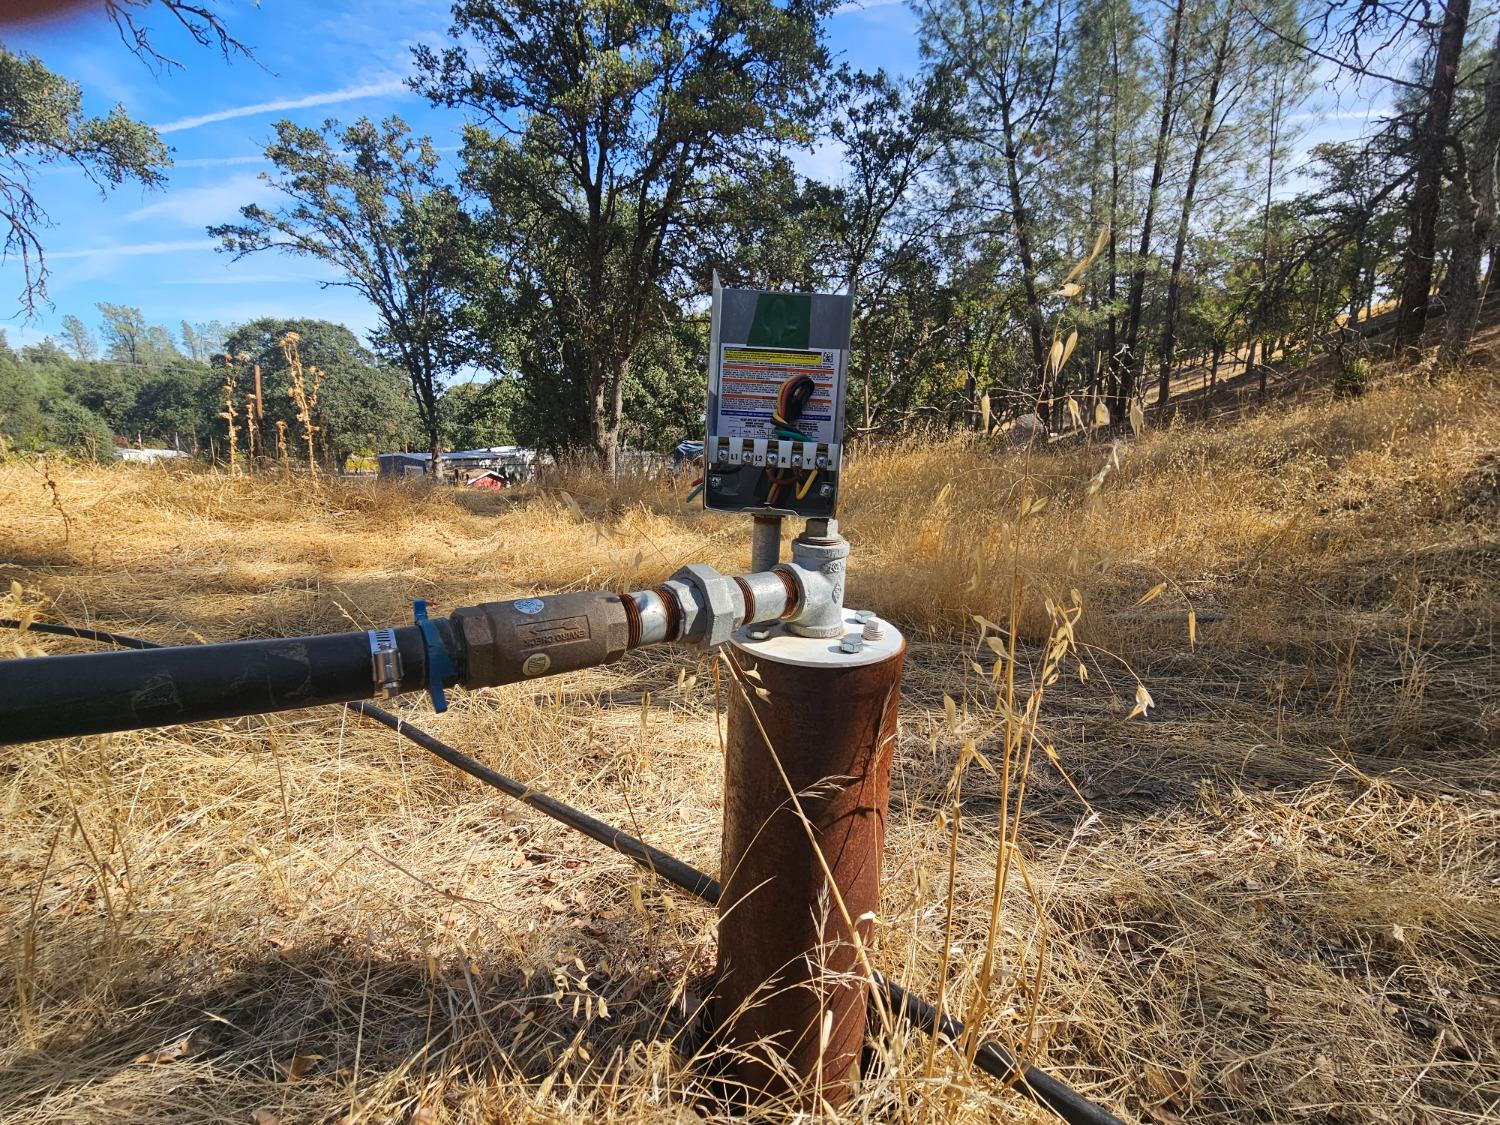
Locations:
{"points": [[1152, 594], [299, 1065], [1234, 1081], [173, 1051], [265, 1117]]}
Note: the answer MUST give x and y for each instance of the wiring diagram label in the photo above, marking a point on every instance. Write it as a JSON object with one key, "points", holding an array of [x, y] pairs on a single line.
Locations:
{"points": [[749, 378]]}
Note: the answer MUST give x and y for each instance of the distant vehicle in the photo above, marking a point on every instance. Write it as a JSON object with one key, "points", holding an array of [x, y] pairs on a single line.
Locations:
{"points": [[512, 461], [397, 465], [149, 456]]}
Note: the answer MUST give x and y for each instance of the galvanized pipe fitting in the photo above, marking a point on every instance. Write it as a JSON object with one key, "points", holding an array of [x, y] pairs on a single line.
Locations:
{"points": [[719, 600], [767, 596], [765, 542], [819, 560]]}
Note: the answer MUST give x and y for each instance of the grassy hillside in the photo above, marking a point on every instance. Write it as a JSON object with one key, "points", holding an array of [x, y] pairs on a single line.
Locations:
{"points": [[1274, 896]]}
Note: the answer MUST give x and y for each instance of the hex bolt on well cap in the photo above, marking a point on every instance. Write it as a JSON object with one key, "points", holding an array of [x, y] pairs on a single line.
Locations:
{"points": [[874, 628], [851, 643]]}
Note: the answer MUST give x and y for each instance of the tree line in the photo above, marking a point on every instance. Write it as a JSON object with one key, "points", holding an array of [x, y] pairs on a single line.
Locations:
{"points": [[128, 382], [616, 154]]}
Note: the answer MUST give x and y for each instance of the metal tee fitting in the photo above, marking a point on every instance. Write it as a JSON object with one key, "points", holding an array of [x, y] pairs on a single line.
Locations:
{"points": [[820, 556], [505, 642]]}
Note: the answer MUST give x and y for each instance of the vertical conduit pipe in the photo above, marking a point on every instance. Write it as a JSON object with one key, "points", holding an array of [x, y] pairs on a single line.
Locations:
{"points": [[765, 542]]}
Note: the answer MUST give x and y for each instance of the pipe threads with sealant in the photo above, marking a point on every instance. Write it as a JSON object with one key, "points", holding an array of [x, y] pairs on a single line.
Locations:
{"points": [[749, 596], [674, 610], [791, 591], [632, 621]]}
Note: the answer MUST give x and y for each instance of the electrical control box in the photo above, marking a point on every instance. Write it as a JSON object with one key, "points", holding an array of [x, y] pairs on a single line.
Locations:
{"points": [[777, 368]]}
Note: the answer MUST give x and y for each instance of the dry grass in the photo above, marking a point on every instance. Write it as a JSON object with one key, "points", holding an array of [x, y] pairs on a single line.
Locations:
{"points": [[1277, 897]]}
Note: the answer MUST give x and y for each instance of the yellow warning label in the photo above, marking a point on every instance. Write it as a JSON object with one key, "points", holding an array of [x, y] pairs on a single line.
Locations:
{"points": [[795, 359]]}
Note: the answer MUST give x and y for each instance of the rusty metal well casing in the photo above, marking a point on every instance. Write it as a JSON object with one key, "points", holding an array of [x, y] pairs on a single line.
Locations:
{"points": [[505, 642], [785, 958]]}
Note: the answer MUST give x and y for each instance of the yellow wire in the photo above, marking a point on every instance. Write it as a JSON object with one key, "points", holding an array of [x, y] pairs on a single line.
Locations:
{"points": [[806, 486]]}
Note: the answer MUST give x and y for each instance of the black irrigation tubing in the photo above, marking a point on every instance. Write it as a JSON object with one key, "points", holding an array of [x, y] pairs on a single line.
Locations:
{"points": [[991, 1058], [658, 862], [117, 639]]}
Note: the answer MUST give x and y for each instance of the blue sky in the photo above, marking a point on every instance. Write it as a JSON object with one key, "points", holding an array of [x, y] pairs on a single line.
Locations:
{"points": [[314, 59]]}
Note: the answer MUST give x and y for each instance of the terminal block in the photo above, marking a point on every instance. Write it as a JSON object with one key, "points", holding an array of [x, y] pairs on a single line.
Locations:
{"points": [[771, 475]]}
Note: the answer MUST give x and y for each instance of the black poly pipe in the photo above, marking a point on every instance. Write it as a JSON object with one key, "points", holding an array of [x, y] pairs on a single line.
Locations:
{"points": [[90, 693], [991, 1058]]}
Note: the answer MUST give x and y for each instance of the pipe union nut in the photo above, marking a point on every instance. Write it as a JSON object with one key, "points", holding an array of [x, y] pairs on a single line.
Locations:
{"points": [[720, 601]]}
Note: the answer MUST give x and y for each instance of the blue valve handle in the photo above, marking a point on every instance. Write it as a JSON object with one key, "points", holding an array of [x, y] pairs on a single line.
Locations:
{"points": [[439, 667]]}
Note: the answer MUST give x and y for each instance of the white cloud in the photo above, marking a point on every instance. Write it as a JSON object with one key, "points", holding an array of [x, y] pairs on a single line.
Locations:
{"points": [[132, 249], [862, 5], [331, 97], [218, 161], [200, 206], [1370, 113]]}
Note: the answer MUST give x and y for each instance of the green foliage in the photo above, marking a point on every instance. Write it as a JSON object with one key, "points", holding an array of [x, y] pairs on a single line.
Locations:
{"points": [[42, 123], [129, 339], [369, 200], [174, 405], [1352, 378], [609, 136], [664, 397], [22, 421], [479, 415], [107, 389], [81, 342], [77, 429], [619, 152], [361, 401], [49, 398]]}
